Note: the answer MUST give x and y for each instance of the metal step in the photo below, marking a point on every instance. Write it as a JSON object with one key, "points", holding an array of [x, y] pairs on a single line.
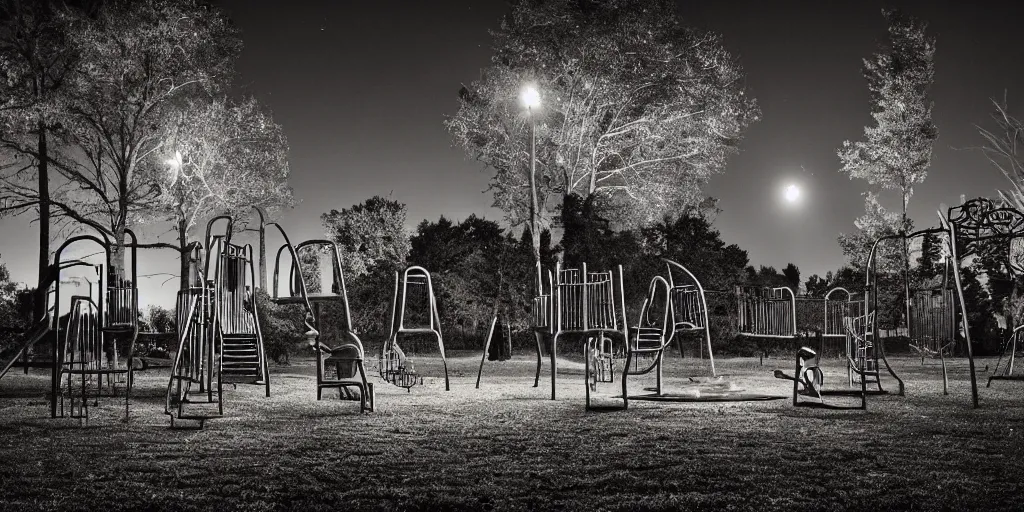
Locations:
{"points": [[237, 357]]}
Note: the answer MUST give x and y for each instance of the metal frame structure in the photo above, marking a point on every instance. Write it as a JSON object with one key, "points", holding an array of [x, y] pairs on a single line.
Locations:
{"points": [[766, 312], [44, 326], [681, 307], [835, 312], [219, 337], [344, 359], [809, 379], [587, 304], [394, 366], [541, 314], [1011, 344], [914, 308], [674, 306], [87, 350], [969, 226]]}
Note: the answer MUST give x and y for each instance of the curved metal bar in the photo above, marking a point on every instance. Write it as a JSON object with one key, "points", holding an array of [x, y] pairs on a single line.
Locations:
{"points": [[295, 263], [658, 285], [827, 331], [391, 347], [963, 309], [871, 283], [227, 231], [704, 308], [56, 352]]}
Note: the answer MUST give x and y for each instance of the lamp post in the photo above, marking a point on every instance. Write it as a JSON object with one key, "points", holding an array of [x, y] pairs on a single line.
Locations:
{"points": [[175, 164], [531, 99]]}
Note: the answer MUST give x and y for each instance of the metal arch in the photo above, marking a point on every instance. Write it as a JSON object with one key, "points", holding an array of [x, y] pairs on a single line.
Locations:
{"points": [[338, 275], [870, 289], [849, 296], [703, 306], [968, 225]]}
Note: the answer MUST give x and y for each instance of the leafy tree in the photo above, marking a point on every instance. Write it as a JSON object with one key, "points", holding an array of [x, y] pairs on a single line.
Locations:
{"points": [[792, 275], [929, 263], [35, 61], [874, 224], [282, 326], [368, 234], [373, 244], [161, 319], [138, 61], [227, 156], [14, 320], [979, 306], [691, 241], [846, 277], [479, 271], [463, 261], [635, 108], [587, 234], [766, 277], [816, 286], [896, 152]]}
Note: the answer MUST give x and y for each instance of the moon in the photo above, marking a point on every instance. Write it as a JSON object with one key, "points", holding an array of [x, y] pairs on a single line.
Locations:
{"points": [[791, 193]]}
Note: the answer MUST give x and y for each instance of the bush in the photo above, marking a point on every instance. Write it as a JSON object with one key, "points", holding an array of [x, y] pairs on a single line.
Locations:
{"points": [[282, 327]]}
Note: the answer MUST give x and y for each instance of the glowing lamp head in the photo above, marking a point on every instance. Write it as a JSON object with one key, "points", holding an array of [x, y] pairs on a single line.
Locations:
{"points": [[530, 97], [791, 193], [175, 164]]}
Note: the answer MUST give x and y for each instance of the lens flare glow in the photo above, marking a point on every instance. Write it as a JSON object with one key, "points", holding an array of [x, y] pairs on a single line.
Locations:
{"points": [[792, 193], [530, 97]]}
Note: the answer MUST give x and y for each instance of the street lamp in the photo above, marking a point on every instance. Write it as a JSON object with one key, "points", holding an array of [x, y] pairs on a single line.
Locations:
{"points": [[178, 182], [175, 164], [531, 99]]}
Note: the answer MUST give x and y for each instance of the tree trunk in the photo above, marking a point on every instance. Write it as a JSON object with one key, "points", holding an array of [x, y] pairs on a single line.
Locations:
{"points": [[183, 267], [117, 252], [906, 264], [40, 306]]}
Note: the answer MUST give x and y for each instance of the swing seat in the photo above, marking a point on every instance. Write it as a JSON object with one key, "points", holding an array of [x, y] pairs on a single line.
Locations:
{"points": [[345, 360], [396, 369]]}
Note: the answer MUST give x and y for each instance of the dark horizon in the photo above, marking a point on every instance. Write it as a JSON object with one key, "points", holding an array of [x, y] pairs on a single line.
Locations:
{"points": [[362, 89]]}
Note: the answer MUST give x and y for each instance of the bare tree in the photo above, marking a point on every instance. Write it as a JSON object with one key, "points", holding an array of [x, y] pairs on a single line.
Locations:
{"points": [[1004, 147]]}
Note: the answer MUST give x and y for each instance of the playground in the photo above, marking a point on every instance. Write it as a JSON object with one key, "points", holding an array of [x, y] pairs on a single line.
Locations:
{"points": [[617, 418], [507, 446]]}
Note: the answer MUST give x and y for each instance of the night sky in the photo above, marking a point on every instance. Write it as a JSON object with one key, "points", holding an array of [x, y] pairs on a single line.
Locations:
{"points": [[362, 88]]}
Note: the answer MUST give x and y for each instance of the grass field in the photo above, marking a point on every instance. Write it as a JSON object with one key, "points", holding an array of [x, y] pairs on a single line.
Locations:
{"points": [[507, 446]]}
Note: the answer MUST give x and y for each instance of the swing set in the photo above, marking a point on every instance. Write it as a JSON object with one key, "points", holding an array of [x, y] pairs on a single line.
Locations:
{"points": [[413, 312]]}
